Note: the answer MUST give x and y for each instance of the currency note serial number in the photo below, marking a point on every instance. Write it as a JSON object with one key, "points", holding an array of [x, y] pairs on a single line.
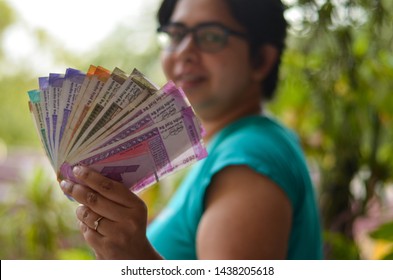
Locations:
{"points": [[244, 270]]}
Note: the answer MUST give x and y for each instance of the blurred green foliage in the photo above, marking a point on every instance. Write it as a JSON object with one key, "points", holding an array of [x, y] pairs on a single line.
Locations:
{"points": [[341, 247], [385, 233], [335, 92], [7, 17], [38, 223]]}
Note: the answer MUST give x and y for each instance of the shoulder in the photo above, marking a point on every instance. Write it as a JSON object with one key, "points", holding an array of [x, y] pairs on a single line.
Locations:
{"points": [[254, 136], [260, 142], [266, 147]]}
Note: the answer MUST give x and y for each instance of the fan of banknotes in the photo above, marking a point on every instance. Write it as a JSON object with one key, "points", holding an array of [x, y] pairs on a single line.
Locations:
{"points": [[123, 126]]}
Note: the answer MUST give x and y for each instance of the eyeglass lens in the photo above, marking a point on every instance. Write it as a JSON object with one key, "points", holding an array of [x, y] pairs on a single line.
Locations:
{"points": [[208, 37]]}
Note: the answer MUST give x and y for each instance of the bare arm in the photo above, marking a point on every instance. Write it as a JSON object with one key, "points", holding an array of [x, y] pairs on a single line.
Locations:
{"points": [[247, 217]]}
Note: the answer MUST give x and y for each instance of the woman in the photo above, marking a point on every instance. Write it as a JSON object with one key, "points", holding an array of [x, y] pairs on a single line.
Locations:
{"points": [[252, 197]]}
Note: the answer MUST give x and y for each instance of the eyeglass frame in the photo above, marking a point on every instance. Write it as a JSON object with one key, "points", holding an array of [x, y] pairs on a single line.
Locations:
{"points": [[193, 30]]}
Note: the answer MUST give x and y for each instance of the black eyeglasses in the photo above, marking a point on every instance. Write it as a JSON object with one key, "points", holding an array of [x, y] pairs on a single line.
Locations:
{"points": [[208, 36]]}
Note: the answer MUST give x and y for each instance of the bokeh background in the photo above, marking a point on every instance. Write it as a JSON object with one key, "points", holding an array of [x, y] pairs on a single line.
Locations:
{"points": [[335, 92]]}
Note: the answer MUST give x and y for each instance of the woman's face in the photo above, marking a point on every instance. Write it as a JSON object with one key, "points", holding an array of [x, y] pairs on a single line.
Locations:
{"points": [[218, 82]]}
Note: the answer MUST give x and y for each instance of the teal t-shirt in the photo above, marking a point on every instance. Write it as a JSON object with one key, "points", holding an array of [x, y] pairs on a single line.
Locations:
{"points": [[266, 146]]}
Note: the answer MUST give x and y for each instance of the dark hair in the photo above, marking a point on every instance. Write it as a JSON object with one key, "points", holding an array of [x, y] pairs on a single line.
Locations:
{"points": [[264, 22]]}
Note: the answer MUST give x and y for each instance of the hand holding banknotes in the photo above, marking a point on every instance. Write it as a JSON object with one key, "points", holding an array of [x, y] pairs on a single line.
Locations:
{"points": [[111, 218]]}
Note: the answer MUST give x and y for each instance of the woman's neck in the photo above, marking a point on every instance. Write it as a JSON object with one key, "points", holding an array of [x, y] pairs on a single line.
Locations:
{"points": [[212, 126]]}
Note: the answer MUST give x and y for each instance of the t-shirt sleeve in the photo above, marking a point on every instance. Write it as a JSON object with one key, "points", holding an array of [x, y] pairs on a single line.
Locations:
{"points": [[278, 159]]}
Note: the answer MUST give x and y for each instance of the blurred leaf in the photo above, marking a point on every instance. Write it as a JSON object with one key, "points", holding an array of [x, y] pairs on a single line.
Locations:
{"points": [[339, 247], [75, 254], [40, 220], [384, 232], [7, 16], [388, 256]]}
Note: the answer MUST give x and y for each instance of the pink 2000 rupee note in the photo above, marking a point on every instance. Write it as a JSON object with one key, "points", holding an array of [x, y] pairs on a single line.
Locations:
{"points": [[153, 153]]}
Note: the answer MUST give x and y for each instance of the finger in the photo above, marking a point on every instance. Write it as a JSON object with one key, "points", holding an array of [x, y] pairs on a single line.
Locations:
{"points": [[94, 221], [93, 238], [108, 188], [95, 201]]}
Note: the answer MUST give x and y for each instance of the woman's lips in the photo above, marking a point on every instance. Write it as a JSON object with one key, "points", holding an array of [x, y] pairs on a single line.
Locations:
{"points": [[189, 81]]}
